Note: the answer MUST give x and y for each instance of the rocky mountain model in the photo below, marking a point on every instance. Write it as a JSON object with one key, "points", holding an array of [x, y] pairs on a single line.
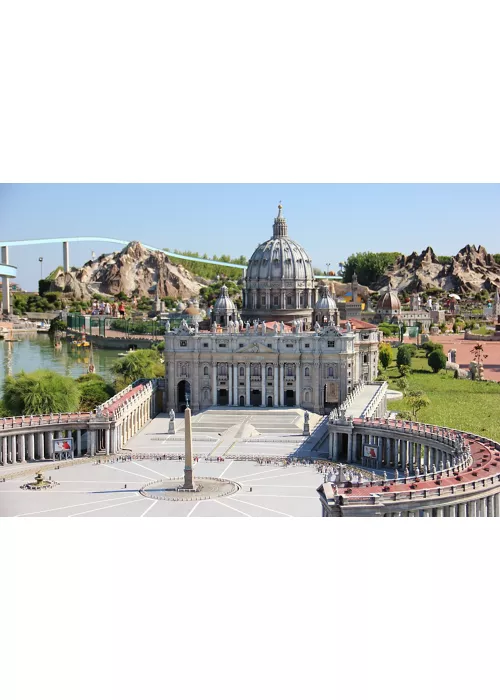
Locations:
{"points": [[470, 270], [135, 269]]}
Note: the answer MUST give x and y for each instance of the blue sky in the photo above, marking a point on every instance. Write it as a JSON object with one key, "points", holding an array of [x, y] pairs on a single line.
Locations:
{"points": [[330, 221]]}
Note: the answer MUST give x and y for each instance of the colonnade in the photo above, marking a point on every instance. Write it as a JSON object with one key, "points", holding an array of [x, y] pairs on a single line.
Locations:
{"points": [[391, 452], [487, 507], [31, 439]]}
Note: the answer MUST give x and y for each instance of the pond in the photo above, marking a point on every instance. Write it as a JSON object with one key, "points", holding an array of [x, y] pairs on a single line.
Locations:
{"points": [[36, 351]]}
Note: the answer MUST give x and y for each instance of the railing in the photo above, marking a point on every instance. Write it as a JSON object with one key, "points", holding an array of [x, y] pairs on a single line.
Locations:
{"points": [[375, 401]]}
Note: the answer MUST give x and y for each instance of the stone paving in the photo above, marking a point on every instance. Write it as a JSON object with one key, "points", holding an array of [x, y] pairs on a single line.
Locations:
{"points": [[90, 490], [266, 490]]}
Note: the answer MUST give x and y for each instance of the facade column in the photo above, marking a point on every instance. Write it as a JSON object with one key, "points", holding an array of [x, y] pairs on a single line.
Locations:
{"points": [[482, 508], [471, 509], [263, 383], [439, 512], [31, 447], [92, 441], [214, 384], [282, 385], [335, 446], [349, 447], [462, 510], [247, 384], [449, 512], [297, 384], [107, 440], [230, 373], [276, 387], [426, 513], [235, 384]]}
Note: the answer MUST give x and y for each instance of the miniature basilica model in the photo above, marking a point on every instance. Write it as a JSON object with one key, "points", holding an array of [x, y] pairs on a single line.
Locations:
{"points": [[286, 349]]}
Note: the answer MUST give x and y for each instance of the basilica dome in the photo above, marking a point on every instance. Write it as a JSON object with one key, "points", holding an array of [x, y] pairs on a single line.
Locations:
{"points": [[279, 281], [389, 302]]}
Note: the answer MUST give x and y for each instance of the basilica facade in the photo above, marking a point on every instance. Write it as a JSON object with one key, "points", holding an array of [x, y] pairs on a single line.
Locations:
{"points": [[296, 351]]}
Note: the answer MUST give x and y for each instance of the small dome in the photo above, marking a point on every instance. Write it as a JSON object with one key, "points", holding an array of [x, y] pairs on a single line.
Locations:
{"points": [[224, 303], [192, 310], [389, 302], [325, 302]]}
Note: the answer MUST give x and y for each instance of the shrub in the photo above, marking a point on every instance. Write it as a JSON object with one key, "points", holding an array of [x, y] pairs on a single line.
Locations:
{"points": [[436, 360]]}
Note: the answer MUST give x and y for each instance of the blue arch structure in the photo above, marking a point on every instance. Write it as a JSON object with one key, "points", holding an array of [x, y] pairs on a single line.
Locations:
{"points": [[83, 239]]}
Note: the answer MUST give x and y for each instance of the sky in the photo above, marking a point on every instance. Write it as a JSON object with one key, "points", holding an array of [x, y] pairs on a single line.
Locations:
{"points": [[329, 221]]}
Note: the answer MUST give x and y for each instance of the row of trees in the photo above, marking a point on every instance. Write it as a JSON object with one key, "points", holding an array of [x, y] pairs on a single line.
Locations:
{"points": [[207, 270], [368, 266], [45, 391]]}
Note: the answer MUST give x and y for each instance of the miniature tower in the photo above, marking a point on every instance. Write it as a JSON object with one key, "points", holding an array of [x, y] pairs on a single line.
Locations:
{"points": [[188, 449], [354, 287]]}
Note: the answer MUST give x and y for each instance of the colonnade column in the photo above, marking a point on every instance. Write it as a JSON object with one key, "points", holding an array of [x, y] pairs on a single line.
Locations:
{"points": [[482, 508], [276, 387], [31, 446], [462, 510], [380, 451], [12, 449], [5, 451], [107, 440], [263, 383], [496, 505], [78, 443], [471, 509], [21, 445], [404, 447]]}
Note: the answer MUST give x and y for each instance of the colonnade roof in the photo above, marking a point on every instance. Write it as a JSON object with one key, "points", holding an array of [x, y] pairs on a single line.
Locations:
{"points": [[485, 464]]}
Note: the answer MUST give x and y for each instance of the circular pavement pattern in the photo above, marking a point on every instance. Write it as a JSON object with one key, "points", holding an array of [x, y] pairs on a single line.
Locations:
{"points": [[206, 487]]}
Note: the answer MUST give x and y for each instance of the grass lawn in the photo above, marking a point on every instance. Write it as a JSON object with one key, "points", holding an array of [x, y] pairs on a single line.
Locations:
{"points": [[455, 403]]}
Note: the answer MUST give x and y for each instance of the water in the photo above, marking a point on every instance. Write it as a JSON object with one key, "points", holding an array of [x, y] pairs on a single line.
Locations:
{"points": [[36, 351]]}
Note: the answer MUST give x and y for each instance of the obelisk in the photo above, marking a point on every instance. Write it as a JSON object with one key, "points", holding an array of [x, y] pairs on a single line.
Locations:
{"points": [[188, 450]]}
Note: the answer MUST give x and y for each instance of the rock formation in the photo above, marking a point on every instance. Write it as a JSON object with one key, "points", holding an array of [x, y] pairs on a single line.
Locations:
{"points": [[469, 271], [135, 269]]}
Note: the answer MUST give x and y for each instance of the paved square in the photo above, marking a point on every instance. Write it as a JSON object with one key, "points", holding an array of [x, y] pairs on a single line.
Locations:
{"points": [[98, 490]]}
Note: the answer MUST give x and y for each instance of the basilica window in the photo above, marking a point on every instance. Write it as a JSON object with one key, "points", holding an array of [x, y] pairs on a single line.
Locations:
{"points": [[205, 371], [263, 300], [289, 301], [306, 372], [205, 345], [269, 371], [275, 301], [183, 343], [289, 371], [255, 371], [242, 371], [365, 358], [222, 369], [331, 343], [330, 372]]}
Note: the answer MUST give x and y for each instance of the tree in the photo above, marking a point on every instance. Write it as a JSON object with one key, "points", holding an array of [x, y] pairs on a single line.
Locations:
{"points": [[429, 347], [385, 355], [403, 356], [416, 401], [368, 266], [39, 392], [437, 360], [94, 391], [141, 364], [402, 384]]}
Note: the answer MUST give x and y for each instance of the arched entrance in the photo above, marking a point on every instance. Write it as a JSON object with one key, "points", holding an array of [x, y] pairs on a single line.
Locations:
{"points": [[289, 397], [183, 394], [242, 401], [269, 401], [255, 397]]}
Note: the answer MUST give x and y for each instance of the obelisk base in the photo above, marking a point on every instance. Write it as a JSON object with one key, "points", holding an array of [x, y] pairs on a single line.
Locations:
{"points": [[188, 484]]}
